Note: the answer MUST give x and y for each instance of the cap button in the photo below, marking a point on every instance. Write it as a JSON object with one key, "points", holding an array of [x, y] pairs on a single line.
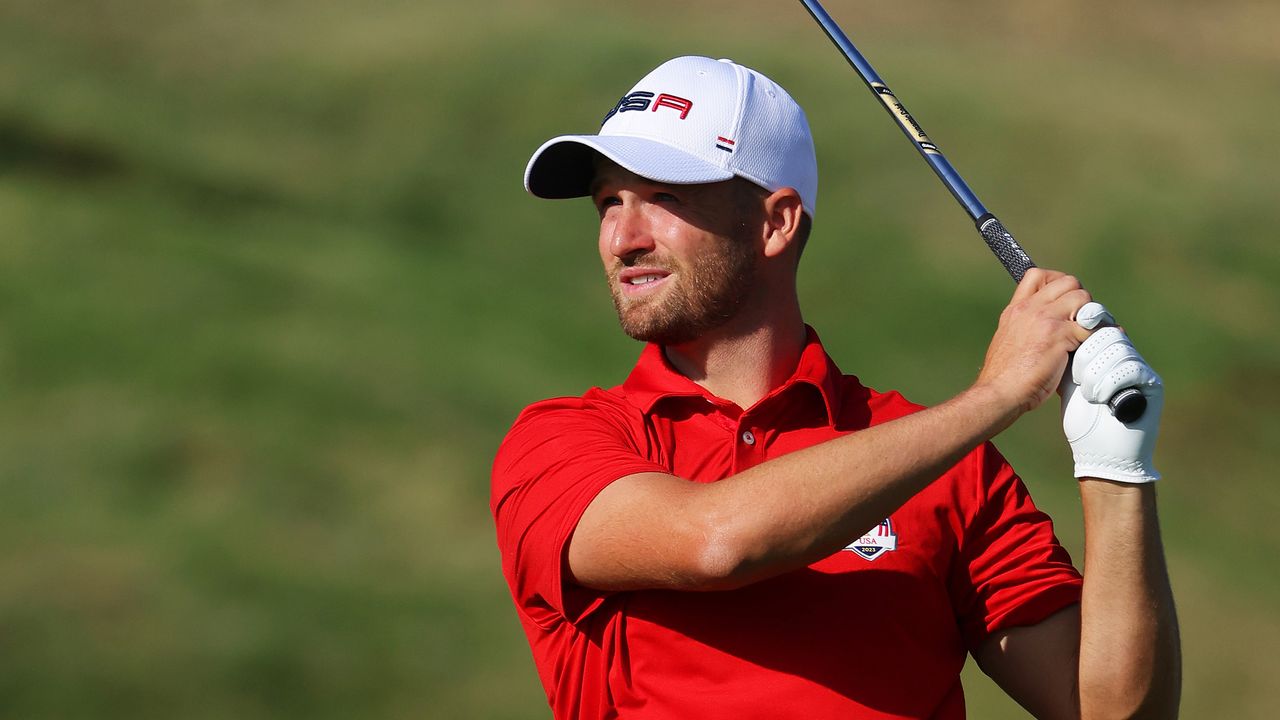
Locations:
{"points": [[725, 60]]}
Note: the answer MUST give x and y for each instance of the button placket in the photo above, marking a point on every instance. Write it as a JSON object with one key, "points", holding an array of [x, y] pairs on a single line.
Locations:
{"points": [[749, 443]]}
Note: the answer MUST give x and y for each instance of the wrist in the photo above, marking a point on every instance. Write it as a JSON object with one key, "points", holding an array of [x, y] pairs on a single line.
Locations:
{"points": [[991, 407], [1107, 500], [1114, 488]]}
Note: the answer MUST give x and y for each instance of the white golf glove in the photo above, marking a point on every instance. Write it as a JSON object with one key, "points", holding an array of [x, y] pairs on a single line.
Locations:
{"points": [[1103, 446]]}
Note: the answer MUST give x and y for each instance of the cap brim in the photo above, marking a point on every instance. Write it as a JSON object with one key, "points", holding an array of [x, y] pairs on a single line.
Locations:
{"points": [[564, 166]]}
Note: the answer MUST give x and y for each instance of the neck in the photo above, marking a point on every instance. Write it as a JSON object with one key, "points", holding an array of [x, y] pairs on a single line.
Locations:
{"points": [[743, 364]]}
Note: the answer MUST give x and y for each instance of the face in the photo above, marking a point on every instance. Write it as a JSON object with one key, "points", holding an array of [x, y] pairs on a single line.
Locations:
{"points": [[680, 259]]}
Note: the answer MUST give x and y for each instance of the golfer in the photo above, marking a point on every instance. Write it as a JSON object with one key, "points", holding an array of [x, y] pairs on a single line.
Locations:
{"points": [[740, 530]]}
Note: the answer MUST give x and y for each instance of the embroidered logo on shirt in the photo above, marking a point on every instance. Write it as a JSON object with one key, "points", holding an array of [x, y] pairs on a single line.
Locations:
{"points": [[880, 540]]}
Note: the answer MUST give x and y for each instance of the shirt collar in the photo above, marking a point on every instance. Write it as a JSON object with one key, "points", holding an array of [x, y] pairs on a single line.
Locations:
{"points": [[654, 379]]}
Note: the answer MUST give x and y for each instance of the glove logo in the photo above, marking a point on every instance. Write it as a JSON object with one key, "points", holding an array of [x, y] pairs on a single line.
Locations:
{"points": [[880, 540]]}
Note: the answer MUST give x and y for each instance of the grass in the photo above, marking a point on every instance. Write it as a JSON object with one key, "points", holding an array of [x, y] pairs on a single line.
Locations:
{"points": [[270, 294]]}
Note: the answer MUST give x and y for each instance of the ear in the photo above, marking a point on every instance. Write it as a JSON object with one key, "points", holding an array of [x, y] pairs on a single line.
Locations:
{"points": [[782, 214]]}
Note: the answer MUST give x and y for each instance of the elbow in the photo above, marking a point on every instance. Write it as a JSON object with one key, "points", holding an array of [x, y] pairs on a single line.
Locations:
{"points": [[725, 559], [734, 550], [724, 548], [718, 565]]}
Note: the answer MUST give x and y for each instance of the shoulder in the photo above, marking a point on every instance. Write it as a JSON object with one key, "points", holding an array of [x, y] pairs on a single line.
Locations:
{"points": [[596, 408], [890, 405], [862, 406], [552, 432], [560, 452]]}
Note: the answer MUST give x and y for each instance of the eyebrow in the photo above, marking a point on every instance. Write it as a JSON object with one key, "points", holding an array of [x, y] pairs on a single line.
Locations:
{"points": [[597, 183]]}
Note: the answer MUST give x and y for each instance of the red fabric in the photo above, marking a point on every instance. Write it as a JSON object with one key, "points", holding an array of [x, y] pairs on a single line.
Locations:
{"points": [[848, 637]]}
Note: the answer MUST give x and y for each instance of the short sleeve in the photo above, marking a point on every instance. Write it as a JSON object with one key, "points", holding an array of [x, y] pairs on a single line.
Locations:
{"points": [[556, 458], [1011, 569]]}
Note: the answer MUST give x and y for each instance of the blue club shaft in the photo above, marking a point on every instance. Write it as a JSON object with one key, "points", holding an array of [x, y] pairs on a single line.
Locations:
{"points": [[1127, 404], [930, 152]]}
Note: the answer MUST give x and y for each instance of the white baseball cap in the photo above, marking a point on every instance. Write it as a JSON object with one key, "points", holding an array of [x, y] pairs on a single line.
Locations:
{"points": [[691, 120]]}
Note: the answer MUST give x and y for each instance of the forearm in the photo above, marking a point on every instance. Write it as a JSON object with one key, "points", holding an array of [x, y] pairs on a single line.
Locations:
{"points": [[801, 507], [1130, 657], [655, 530]]}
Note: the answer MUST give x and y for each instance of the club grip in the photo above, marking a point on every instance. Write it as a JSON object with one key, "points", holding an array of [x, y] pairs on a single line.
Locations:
{"points": [[1128, 404], [1007, 250]]}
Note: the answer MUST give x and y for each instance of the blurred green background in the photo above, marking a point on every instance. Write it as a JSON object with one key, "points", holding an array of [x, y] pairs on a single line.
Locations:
{"points": [[271, 293]]}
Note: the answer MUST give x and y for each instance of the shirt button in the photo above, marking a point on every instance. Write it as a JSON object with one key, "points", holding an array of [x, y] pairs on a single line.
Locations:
{"points": [[748, 437]]}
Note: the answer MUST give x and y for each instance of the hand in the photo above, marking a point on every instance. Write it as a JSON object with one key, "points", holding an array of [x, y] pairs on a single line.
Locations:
{"points": [[1029, 351], [1103, 446]]}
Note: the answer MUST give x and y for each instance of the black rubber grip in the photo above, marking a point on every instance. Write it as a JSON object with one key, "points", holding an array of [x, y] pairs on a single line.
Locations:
{"points": [[1128, 405], [1007, 250]]}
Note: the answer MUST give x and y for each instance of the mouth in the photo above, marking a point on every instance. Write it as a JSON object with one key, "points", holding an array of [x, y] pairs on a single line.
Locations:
{"points": [[641, 281]]}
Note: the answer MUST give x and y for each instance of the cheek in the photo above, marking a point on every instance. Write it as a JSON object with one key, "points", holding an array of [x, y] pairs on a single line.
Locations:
{"points": [[603, 243]]}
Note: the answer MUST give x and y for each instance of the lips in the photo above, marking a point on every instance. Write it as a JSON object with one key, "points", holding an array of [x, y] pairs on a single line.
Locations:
{"points": [[635, 280], [644, 279]]}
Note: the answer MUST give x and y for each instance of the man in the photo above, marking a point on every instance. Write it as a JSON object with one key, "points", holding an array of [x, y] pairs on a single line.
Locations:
{"points": [[739, 530]]}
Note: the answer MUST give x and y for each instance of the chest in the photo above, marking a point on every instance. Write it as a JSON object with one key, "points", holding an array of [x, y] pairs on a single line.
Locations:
{"points": [[851, 622], [699, 441], [857, 623], [900, 567]]}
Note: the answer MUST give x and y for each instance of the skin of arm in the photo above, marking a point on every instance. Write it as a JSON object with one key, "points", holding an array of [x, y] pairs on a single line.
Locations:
{"points": [[1118, 653], [652, 530]]}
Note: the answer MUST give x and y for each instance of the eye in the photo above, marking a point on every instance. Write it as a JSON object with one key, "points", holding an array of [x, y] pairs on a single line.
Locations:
{"points": [[606, 202], [665, 197]]}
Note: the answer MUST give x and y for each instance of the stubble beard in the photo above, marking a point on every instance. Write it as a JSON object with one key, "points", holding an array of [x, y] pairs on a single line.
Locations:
{"points": [[705, 295]]}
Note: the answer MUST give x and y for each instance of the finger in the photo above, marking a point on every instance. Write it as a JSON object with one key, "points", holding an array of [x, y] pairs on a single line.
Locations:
{"points": [[1032, 281], [1098, 343], [1105, 359], [1128, 373], [1065, 309], [1060, 286], [1068, 304], [1093, 315]]}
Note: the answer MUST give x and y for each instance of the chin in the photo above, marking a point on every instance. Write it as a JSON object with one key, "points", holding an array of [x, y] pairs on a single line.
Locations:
{"points": [[666, 331], [660, 333]]}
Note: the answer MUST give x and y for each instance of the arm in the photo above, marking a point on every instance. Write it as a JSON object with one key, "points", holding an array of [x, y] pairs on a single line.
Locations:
{"points": [[1117, 654], [1124, 656], [654, 530], [1130, 658], [658, 531]]}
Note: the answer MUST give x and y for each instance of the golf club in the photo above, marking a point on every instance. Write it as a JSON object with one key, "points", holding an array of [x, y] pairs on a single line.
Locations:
{"points": [[1127, 404]]}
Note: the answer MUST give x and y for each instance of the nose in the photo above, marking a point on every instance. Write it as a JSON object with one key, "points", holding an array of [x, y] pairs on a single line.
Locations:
{"points": [[628, 233]]}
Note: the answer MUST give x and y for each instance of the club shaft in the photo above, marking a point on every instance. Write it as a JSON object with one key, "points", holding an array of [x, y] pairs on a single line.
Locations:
{"points": [[927, 149], [1001, 241], [1128, 404]]}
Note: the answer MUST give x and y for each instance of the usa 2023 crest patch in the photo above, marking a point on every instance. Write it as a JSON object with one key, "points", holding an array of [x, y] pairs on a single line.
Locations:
{"points": [[880, 540]]}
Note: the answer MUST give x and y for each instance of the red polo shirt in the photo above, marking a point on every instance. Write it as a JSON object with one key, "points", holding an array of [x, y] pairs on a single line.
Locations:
{"points": [[878, 630]]}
